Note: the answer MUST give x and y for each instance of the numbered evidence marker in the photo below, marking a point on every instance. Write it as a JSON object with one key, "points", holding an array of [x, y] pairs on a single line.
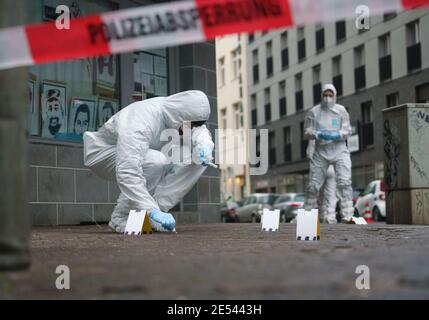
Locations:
{"points": [[308, 225], [270, 220], [359, 220], [138, 223]]}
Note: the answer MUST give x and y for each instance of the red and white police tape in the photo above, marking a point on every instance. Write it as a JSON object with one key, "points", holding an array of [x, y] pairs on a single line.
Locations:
{"points": [[171, 24]]}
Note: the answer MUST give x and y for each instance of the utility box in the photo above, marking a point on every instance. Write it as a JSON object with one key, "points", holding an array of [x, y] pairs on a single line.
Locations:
{"points": [[406, 159]]}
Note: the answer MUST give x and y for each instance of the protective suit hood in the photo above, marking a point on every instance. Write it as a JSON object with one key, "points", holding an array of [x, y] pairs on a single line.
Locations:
{"points": [[192, 105], [329, 102], [330, 87]]}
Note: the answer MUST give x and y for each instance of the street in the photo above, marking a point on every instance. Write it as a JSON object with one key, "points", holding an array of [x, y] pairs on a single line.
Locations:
{"points": [[225, 261]]}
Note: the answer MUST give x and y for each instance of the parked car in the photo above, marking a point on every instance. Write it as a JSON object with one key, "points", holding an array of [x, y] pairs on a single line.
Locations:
{"points": [[227, 211], [252, 208], [288, 204], [374, 198]]}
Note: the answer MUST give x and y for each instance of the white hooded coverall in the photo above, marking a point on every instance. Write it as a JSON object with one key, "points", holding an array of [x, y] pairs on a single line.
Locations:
{"points": [[333, 118], [327, 200], [127, 148]]}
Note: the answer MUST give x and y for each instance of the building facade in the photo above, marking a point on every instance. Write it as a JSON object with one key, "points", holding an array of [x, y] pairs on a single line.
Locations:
{"points": [[373, 69], [68, 98], [232, 114]]}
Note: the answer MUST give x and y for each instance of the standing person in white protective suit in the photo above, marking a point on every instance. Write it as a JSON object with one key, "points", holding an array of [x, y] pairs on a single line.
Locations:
{"points": [[327, 200], [127, 148], [329, 125]]}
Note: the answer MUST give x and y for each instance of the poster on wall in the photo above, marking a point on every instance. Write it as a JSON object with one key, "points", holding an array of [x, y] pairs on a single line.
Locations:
{"points": [[81, 116], [53, 108], [104, 75], [106, 108]]}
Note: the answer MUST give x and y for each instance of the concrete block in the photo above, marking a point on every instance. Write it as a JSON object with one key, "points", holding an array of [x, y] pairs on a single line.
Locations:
{"points": [[41, 154], [32, 184], [71, 157], [90, 188], [55, 185], [74, 214], [102, 212], [203, 190], [214, 190], [43, 214]]}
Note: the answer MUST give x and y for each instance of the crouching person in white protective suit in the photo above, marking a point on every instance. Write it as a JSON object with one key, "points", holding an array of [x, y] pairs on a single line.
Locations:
{"points": [[327, 201], [127, 148], [329, 125]]}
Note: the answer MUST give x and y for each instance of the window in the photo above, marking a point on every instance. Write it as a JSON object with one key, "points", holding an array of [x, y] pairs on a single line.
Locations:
{"points": [[384, 61], [223, 118], [422, 93], [285, 50], [304, 142], [253, 107], [272, 148], [222, 71], [238, 115], [320, 38], [299, 97], [251, 37], [317, 86], [282, 98], [359, 56], [392, 99], [269, 51], [287, 144], [267, 104], [389, 15], [337, 75], [360, 77], [413, 33], [340, 31], [301, 43], [236, 63], [367, 124], [384, 45], [414, 54], [255, 66]]}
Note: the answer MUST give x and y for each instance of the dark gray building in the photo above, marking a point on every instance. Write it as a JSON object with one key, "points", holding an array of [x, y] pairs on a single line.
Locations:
{"points": [[372, 69], [61, 190]]}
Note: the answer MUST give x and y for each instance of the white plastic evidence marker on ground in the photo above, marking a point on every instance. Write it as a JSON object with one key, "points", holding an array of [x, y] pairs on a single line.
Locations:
{"points": [[270, 220], [138, 223], [308, 225]]}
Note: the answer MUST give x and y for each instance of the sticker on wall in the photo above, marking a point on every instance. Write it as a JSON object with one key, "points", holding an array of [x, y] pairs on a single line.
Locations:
{"points": [[82, 116], [106, 108], [54, 109]]}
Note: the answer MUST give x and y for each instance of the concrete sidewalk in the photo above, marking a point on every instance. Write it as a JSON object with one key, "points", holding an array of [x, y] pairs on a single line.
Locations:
{"points": [[223, 261]]}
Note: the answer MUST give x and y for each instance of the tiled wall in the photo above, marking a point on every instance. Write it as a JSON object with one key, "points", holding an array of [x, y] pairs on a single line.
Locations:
{"points": [[63, 192]]}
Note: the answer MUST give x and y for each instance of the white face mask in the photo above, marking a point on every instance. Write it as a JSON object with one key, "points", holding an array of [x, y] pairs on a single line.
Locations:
{"points": [[329, 101]]}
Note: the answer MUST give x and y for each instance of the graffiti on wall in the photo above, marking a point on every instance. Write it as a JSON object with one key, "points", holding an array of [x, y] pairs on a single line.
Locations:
{"points": [[422, 203], [392, 151]]}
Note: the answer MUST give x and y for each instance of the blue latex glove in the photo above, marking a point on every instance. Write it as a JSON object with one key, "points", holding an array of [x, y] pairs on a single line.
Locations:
{"points": [[164, 219], [329, 135], [205, 154]]}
